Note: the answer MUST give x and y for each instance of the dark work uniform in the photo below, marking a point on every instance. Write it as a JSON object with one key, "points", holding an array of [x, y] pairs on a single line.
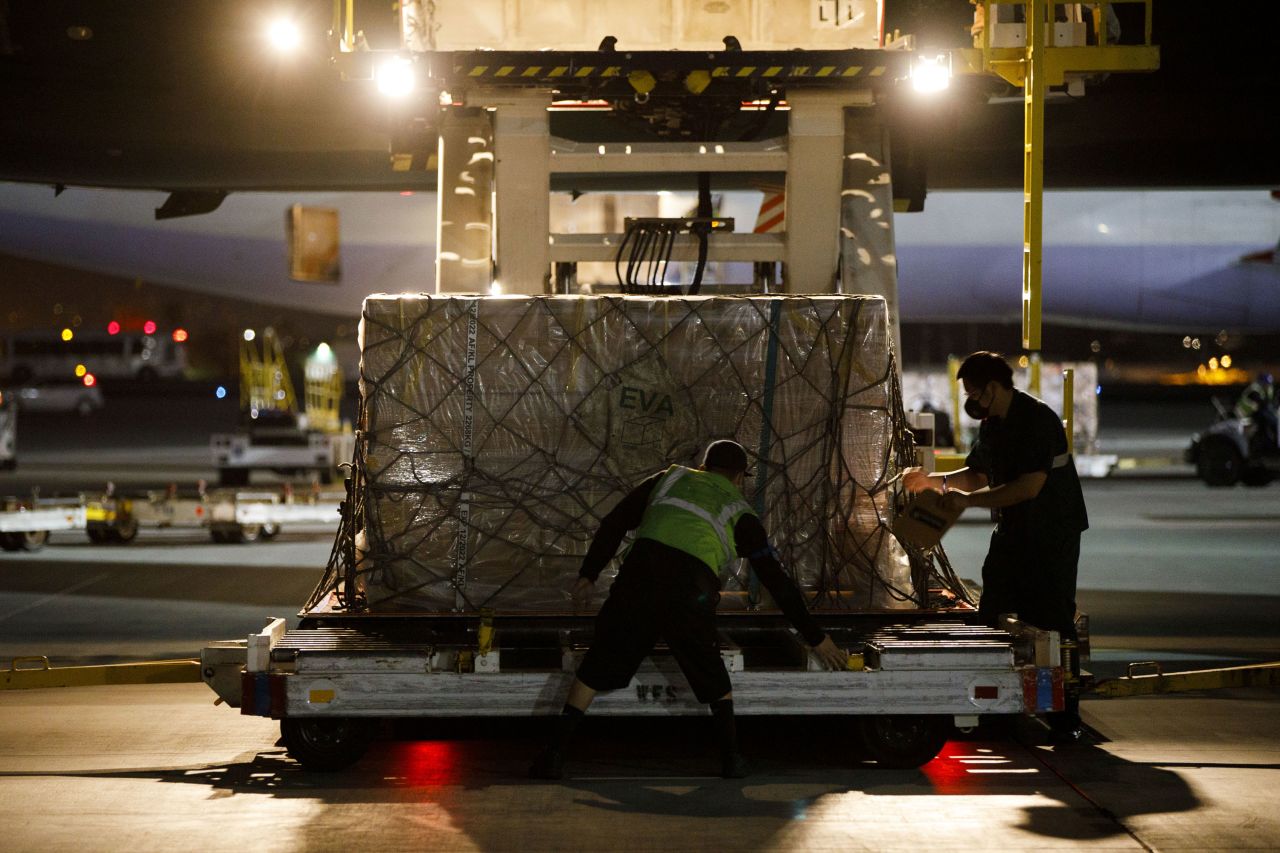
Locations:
{"points": [[663, 592], [1031, 566]]}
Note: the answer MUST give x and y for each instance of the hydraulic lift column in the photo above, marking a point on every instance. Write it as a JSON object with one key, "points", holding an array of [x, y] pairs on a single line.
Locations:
{"points": [[522, 177], [839, 199], [815, 154], [464, 212], [868, 259]]}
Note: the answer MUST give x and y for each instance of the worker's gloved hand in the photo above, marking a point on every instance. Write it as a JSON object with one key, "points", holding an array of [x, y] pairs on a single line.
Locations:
{"points": [[916, 480], [830, 655], [582, 591]]}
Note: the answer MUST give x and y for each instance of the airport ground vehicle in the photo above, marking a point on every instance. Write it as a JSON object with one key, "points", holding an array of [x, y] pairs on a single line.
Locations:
{"points": [[279, 444], [105, 355], [72, 397], [274, 435], [1234, 450], [229, 515]]}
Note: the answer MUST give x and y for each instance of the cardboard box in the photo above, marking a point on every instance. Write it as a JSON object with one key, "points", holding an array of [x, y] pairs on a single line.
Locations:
{"points": [[924, 521]]}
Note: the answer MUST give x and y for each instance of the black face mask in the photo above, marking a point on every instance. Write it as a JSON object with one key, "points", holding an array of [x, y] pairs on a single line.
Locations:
{"points": [[976, 410]]}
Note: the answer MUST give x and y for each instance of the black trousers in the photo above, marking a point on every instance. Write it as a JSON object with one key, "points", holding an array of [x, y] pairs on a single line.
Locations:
{"points": [[1034, 575], [661, 593]]}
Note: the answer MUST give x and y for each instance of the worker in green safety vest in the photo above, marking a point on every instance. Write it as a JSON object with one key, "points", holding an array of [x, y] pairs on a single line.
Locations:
{"points": [[690, 523]]}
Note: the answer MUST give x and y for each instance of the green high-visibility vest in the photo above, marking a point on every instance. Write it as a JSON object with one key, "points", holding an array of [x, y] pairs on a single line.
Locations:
{"points": [[695, 511]]}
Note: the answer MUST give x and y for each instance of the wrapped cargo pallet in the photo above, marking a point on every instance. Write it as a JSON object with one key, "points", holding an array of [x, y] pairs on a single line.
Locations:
{"points": [[496, 432]]}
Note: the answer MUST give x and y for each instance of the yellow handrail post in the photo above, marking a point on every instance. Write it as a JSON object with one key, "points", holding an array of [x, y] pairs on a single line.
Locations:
{"points": [[953, 382], [1069, 407], [1033, 170]]}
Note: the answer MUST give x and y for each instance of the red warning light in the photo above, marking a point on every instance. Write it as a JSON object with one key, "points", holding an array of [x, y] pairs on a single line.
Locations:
{"points": [[179, 335], [149, 327], [113, 328], [90, 380]]}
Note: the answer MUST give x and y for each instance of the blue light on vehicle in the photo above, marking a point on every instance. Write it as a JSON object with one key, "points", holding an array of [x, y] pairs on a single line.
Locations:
{"points": [[1097, 391], [220, 392]]}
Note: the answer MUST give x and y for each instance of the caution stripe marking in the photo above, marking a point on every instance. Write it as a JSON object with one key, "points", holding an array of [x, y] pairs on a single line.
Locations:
{"points": [[727, 71]]}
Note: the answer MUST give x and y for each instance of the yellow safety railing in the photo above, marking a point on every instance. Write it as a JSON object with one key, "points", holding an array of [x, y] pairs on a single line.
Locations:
{"points": [[1034, 66], [323, 388], [264, 375]]}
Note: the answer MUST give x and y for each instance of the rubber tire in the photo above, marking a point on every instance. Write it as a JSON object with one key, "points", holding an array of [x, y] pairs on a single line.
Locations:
{"points": [[1220, 464], [218, 535], [10, 542], [124, 531], [269, 531], [904, 741], [97, 535], [326, 744], [32, 540]]}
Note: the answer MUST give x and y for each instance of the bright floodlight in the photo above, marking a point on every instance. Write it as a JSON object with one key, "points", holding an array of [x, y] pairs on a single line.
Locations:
{"points": [[284, 35], [395, 77], [931, 73]]}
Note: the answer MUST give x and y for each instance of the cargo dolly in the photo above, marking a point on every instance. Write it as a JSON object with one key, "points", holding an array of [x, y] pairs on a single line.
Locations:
{"points": [[229, 515], [913, 677]]}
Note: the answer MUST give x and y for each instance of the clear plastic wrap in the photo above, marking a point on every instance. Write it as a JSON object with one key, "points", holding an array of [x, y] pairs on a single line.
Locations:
{"points": [[496, 432]]}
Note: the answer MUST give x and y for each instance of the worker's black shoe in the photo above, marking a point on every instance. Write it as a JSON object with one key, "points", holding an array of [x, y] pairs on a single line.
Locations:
{"points": [[548, 765], [734, 766]]}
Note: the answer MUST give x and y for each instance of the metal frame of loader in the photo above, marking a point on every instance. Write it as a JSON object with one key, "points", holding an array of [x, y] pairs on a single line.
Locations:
{"points": [[914, 675]]}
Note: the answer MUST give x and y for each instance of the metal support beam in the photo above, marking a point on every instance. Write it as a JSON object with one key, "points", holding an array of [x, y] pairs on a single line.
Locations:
{"points": [[814, 169], [868, 259], [603, 248], [464, 196], [522, 177], [595, 158]]}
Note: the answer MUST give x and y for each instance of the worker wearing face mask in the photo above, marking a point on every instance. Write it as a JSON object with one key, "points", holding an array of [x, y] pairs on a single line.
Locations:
{"points": [[1021, 467]]}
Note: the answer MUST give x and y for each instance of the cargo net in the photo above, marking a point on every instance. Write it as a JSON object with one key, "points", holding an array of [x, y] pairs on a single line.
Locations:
{"points": [[495, 433]]}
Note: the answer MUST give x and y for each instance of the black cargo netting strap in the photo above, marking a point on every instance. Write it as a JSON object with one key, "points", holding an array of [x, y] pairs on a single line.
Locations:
{"points": [[494, 434]]}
